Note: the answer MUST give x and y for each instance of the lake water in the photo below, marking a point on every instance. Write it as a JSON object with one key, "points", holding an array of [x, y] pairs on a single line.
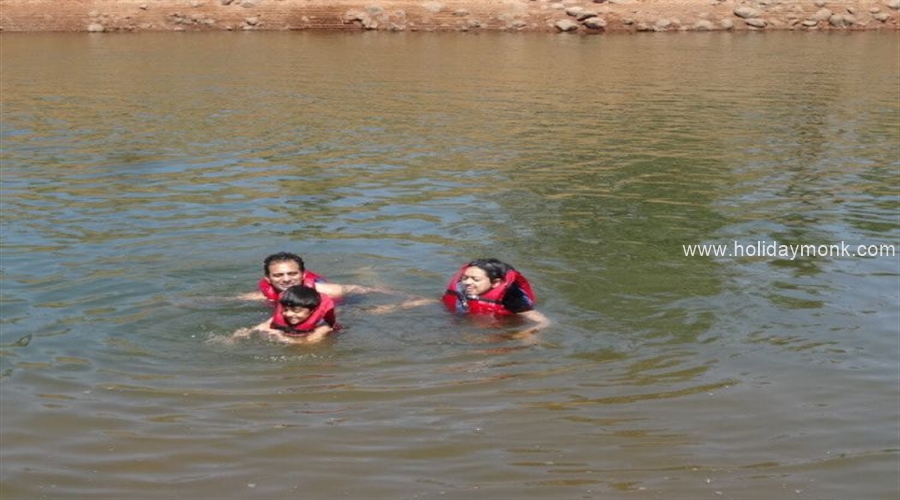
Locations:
{"points": [[146, 176]]}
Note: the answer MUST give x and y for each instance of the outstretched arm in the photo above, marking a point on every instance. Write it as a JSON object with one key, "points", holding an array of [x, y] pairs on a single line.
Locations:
{"points": [[244, 333], [313, 338], [408, 304], [270, 333], [337, 291]]}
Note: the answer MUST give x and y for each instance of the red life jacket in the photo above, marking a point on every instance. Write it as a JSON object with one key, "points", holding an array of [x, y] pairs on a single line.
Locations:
{"points": [[490, 302], [309, 280], [324, 314]]}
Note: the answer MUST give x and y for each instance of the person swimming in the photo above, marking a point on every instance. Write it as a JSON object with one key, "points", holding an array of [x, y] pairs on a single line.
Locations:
{"points": [[484, 287], [302, 315], [490, 286], [283, 270]]}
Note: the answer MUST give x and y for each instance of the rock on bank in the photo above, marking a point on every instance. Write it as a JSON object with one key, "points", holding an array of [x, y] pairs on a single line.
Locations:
{"points": [[560, 16]]}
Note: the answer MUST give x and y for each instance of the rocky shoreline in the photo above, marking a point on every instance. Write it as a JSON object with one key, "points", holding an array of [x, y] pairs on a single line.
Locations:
{"points": [[555, 16]]}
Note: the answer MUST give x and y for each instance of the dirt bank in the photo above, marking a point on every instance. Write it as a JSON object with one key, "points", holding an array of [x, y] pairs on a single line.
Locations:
{"points": [[569, 16]]}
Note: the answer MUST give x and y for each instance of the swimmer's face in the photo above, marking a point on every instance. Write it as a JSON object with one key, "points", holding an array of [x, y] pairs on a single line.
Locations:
{"points": [[476, 282], [296, 315], [283, 275]]}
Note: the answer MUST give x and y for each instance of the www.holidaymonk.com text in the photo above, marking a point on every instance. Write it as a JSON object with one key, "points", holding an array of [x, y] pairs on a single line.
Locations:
{"points": [[781, 251]]}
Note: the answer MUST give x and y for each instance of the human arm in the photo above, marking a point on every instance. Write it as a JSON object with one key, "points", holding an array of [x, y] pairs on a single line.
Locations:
{"points": [[540, 321], [244, 333], [325, 325], [314, 337], [264, 291], [408, 304], [522, 303], [333, 290], [265, 329], [529, 336], [337, 291]]}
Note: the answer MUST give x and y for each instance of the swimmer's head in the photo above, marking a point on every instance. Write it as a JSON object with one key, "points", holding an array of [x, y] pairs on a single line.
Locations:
{"points": [[300, 296], [298, 303], [276, 258], [283, 270], [482, 275], [495, 269]]}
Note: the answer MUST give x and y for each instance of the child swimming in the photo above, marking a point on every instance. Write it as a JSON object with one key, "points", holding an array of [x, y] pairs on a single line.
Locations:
{"points": [[302, 316]]}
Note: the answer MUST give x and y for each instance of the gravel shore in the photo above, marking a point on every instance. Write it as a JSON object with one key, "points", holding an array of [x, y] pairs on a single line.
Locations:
{"points": [[566, 16]]}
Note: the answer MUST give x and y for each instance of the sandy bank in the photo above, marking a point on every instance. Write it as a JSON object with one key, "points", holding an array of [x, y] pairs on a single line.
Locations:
{"points": [[562, 16]]}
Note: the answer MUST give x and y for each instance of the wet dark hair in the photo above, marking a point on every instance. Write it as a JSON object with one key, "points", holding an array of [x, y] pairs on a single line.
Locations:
{"points": [[300, 296], [282, 257], [495, 269]]}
